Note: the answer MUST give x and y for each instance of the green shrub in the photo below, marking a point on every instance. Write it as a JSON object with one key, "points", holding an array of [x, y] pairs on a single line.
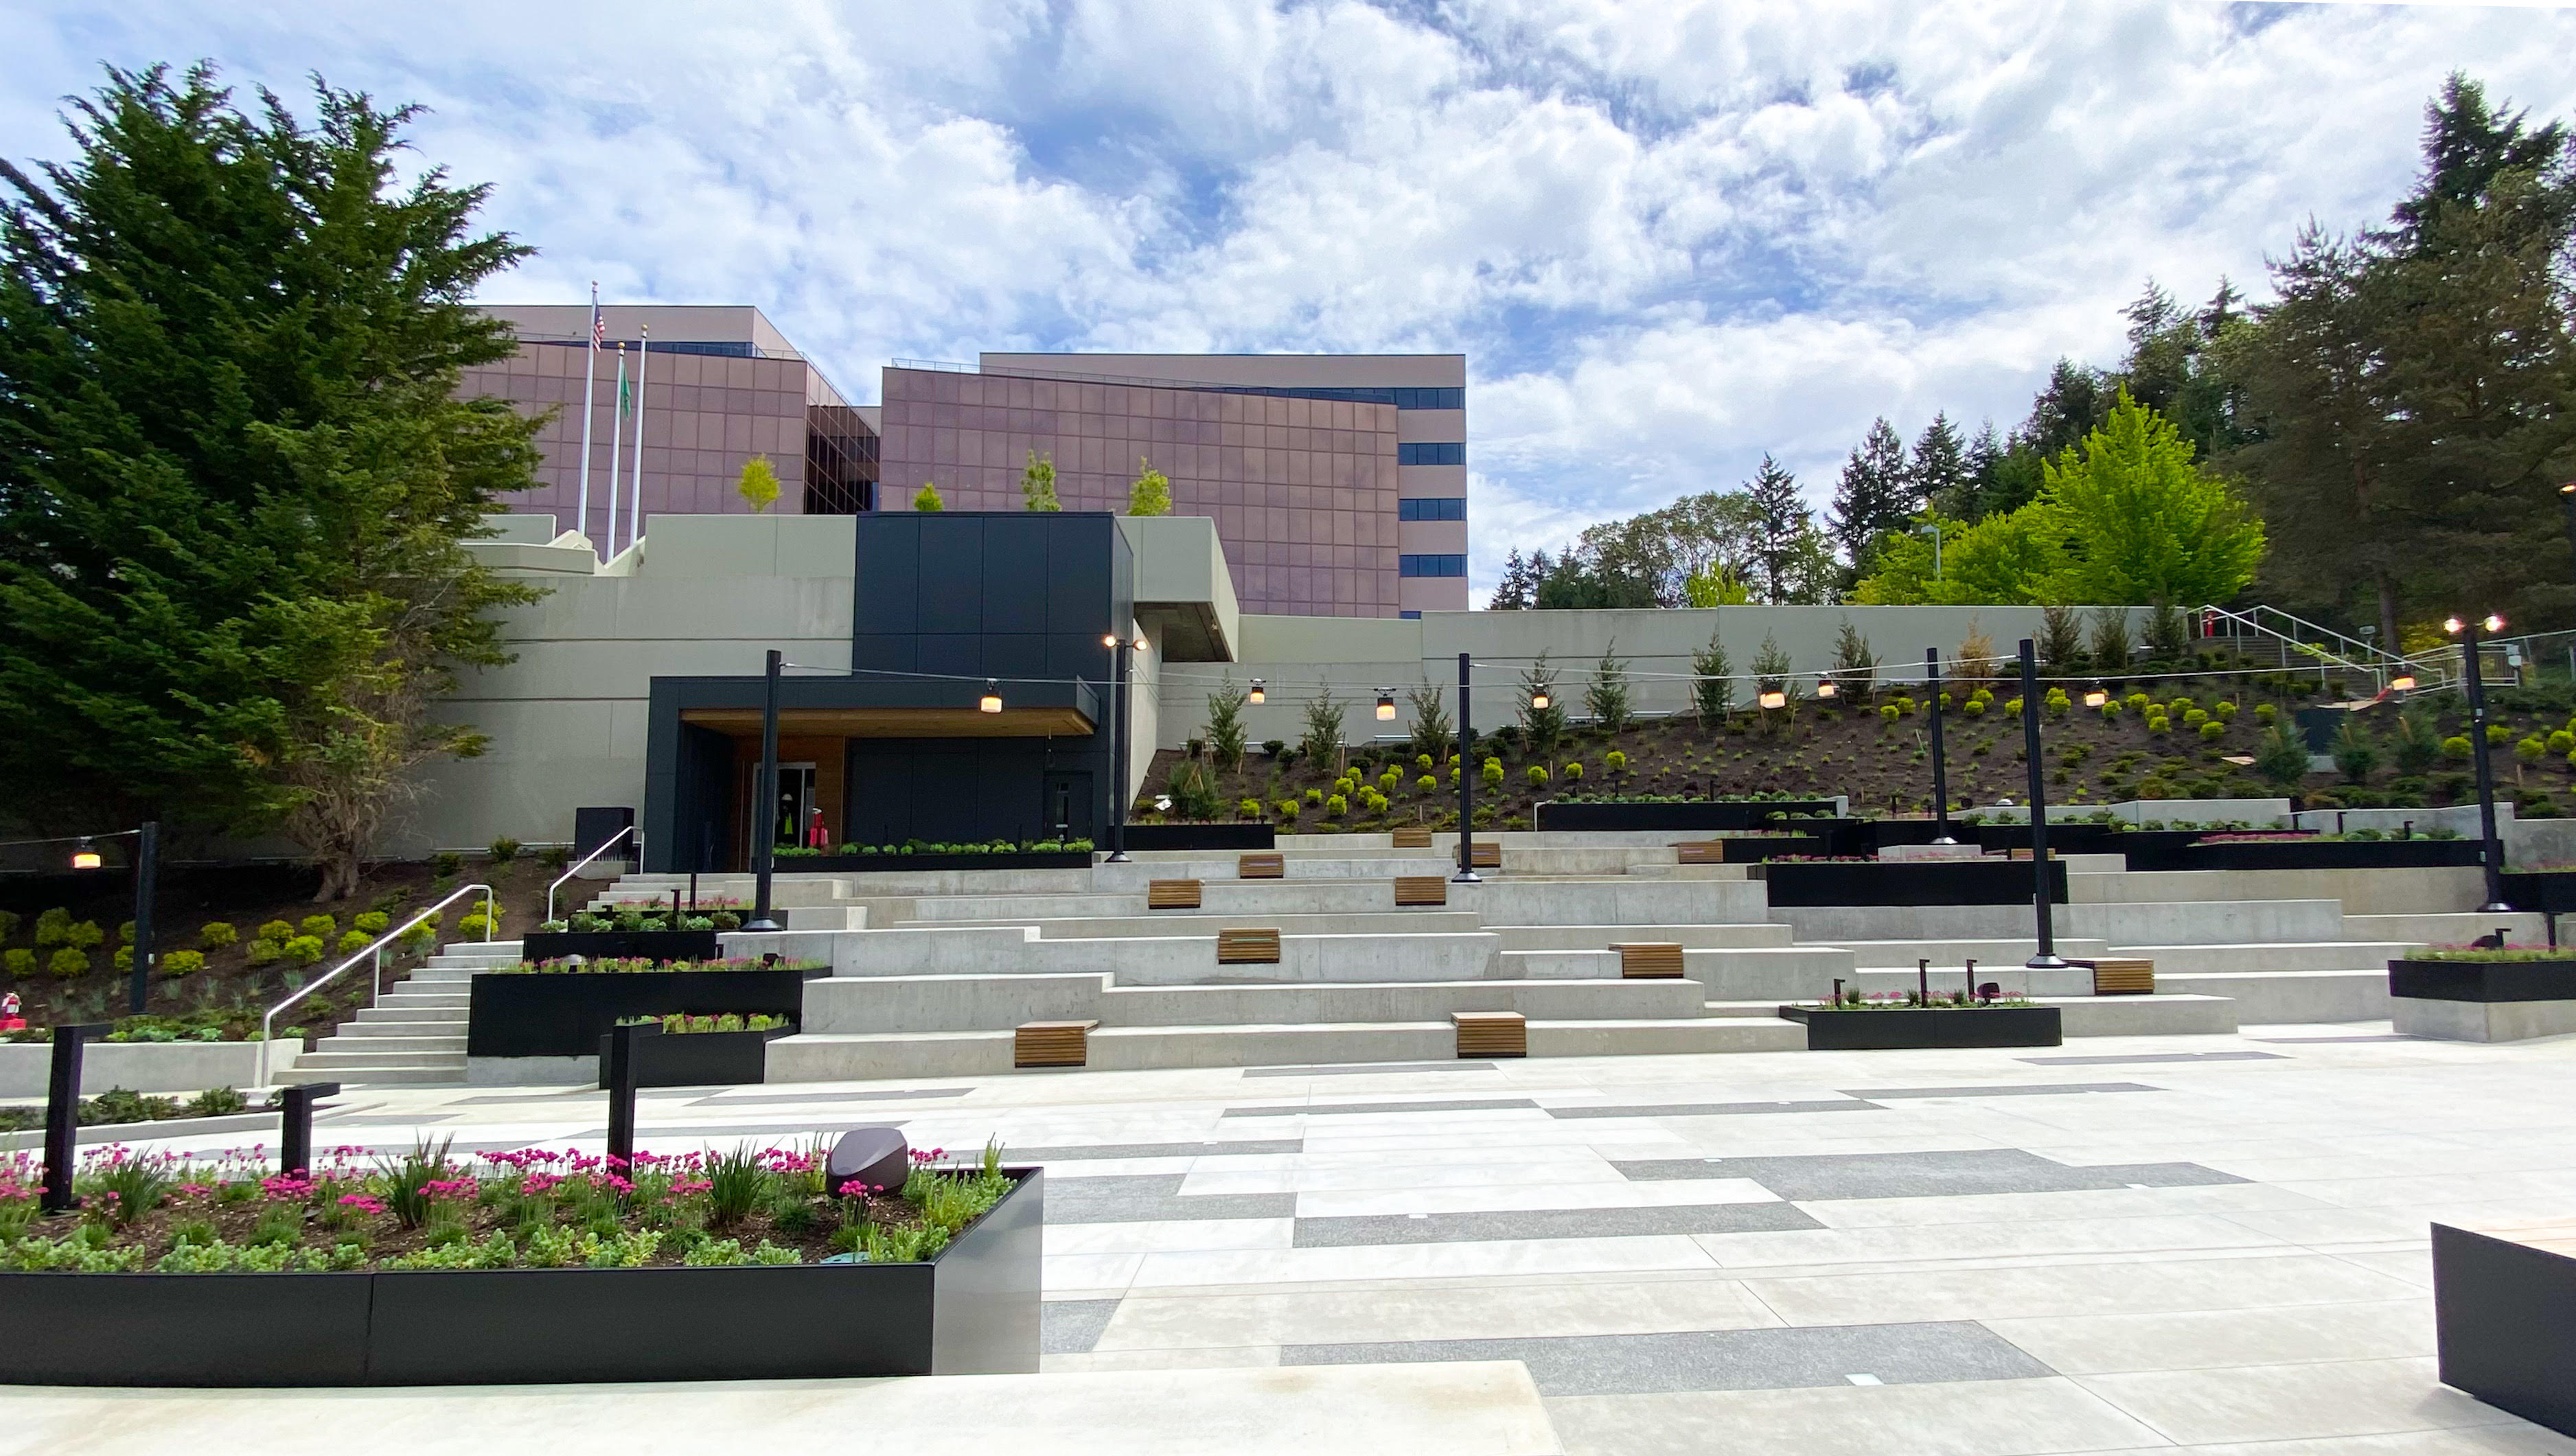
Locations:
{"points": [[1537, 775], [1574, 772], [1887, 713], [1248, 809], [216, 934], [1336, 806], [1315, 797], [373, 922], [355, 940], [277, 930], [122, 959], [2158, 722], [446, 863], [1426, 785], [2110, 710], [1615, 761], [18, 961], [320, 927], [2213, 731], [1287, 811], [303, 950], [85, 934], [2194, 717], [183, 963], [2224, 712], [504, 850], [2264, 713], [1974, 707], [8, 924], [264, 952], [53, 927], [68, 962], [2561, 743], [1492, 772], [125, 932], [2457, 747]]}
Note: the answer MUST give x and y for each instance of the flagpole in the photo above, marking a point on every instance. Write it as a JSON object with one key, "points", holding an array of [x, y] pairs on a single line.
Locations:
{"points": [[589, 407], [635, 497], [616, 433]]}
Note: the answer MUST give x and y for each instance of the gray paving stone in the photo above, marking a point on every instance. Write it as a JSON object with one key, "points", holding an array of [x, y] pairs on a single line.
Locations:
{"points": [[2154, 1057], [1327, 1109], [1367, 1069], [1715, 1109], [1153, 1198], [1756, 1359], [1920, 1175], [1549, 1223], [1149, 1150], [2015, 1089], [782, 1132], [1072, 1326], [826, 1099]]}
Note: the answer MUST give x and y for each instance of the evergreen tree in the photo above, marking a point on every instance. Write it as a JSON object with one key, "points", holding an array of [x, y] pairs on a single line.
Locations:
{"points": [[1037, 484], [1874, 495], [1151, 495], [1781, 525], [1712, 680], [1606, 696], [2074, 404], [1513, 592], [1939, 476], [235, 477], [1542, 729], [1433, 733]]}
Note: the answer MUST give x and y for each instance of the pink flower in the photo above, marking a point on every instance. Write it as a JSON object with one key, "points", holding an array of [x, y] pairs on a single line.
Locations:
{"points": [[362, 1203]]}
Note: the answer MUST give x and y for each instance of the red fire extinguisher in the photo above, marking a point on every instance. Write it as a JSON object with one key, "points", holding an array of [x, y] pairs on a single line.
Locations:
{"points": [[816, 836]]}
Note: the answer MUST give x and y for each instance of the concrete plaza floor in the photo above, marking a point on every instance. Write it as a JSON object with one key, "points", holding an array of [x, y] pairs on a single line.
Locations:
{"points": [[2208, 1244]]}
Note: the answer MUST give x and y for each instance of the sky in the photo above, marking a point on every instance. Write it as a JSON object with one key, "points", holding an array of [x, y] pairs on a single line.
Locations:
{"points": [[1668, 237]]}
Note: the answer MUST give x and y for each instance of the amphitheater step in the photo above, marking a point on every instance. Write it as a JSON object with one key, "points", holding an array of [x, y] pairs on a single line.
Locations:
{"points": [[2283, 997]]}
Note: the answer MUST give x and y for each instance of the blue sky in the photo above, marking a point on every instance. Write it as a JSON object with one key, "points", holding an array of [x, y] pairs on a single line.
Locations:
{"points": [[1669, 237]]}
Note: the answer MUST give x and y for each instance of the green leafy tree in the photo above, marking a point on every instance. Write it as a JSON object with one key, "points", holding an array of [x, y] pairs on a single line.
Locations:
{"points": [[758, 484], [2139, 522], [2418, 743], [1225, 725], [1712, 680], [1606, 697], [2111, 645], [1151, 495], [927, 499], [2061, 639], [1037, 484], [235, 475]]}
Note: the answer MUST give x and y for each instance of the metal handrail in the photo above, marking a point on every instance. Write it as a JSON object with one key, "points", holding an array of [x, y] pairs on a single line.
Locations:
{"points": [[2380, 665], [268, 1023], [585, 860]]}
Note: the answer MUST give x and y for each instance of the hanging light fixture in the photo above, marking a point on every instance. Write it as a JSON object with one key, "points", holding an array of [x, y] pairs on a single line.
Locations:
{"points": [[2402, 684], [1257, 696], [1386, 705], [1775, 699], [1826, 688], [85, 856], [2095, 697], [1539, 700], [991, 702]]}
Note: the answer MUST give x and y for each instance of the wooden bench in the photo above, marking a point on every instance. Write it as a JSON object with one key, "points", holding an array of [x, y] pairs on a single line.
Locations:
{"points": [[1490, 1034], [1247, 947], [1052, 1044], [1485, 854], [1413, 890], [1172, 895], [1706, 851], [1649, 960], [2121, 976], [1261, 867], [1412, 839], [2023, 854]]}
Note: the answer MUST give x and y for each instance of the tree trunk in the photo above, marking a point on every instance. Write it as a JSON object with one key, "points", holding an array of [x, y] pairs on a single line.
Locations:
{"points": [[339, 876], [2389, 641]]}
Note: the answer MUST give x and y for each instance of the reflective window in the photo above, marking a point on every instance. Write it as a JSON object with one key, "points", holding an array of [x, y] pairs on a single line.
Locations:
{"points": [[1431, 565], [1431, 508], [1453, 453]]}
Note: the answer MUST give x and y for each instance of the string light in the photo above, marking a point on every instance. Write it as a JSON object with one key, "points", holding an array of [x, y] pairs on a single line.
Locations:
{"points": [[1539, 700], [1826, 689], [1386, 705], [2402, 684], [991, 702], [2096, 698], [85, 857], [1258, 695], [1775, 699]]}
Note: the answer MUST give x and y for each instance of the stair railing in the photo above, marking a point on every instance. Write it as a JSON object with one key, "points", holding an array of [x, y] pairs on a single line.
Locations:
{"points": [[604, 846], [268, 1023]]}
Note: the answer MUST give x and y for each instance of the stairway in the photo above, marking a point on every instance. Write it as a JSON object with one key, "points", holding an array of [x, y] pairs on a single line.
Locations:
{"points": [[414, 1036]]}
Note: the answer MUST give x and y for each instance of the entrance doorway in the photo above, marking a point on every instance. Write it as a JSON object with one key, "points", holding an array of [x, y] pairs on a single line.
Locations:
{"points": [[1066, 811], [794, 812]]}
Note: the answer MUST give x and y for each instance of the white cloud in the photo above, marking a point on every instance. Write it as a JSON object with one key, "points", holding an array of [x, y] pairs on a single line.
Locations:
{"points": [[1671, 237]]}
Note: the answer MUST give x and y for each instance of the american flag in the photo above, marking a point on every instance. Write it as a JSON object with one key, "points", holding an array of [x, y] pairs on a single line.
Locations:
{"points": [[598, 320]]}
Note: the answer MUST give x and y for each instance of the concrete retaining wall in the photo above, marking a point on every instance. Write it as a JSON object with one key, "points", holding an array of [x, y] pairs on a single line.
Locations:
{"points": [[145, 1066]]}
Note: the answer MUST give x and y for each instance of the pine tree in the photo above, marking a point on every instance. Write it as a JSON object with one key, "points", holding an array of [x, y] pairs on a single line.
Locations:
{"points": [[235, 475], [1037, 484], [1874, 495], [1607, 695], [1712, 681], [1541, 728], [1151, 495], [1855, 667], [1939, 476], [1780, 522]]}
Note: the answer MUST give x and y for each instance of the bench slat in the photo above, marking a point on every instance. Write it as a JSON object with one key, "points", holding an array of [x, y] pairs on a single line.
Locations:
{"points": [[1490, 1034], [1414, 890], [1247, 947]]}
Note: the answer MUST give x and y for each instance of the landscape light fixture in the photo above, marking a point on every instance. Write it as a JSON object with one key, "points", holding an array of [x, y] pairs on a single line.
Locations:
{"points": [[2402, 684], [991, 702], [1257, 696], [85, 856], [1825, 688], [2096, 698], [1774, 699]]}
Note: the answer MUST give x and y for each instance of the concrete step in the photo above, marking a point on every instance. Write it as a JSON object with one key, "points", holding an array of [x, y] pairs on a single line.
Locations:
{"points": [[2328, 955], [2389, 891], [2457, 928], [1785, 971], [381, 1074], [2278, 997], [2157, 1015], [1170, 960], [361, 1041], [1209, 922], [970, 1003], [1600, 937], [1953, 953], [2014, 977], [360, 1060], [420, 1016]]}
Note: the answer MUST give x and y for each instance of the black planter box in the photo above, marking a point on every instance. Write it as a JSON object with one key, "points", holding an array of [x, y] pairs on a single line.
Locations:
{"points": [[2483, 980], [1690, 814], [2504, 1320], [1829, 1030], [2157, 849], [842, 864], [971, 1311], [1228, 838], [619, 945], [1909, 882], [2544, 894], [2062, 838], [699, 1058], [1749, 848], [2331, 854], [565, 1013]]}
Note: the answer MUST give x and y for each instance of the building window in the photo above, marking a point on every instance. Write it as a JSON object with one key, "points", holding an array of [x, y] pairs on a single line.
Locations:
{"points": [[1432, 508], [1431, 565], [1449, 453], [1410, 616]]}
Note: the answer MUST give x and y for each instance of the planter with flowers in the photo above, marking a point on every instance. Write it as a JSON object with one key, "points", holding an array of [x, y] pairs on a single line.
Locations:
{"points": [[1891, 1021], [562, 1010], [530, 1266], [702, 1051]]}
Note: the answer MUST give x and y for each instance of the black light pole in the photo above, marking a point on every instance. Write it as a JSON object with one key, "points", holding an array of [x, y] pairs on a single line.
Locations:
{"points": [[2567, 508], [1466, 787], [2043, 906], [2490, 848], [1117, 646], [147, 873], [764, 839], [1940, 759]]}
